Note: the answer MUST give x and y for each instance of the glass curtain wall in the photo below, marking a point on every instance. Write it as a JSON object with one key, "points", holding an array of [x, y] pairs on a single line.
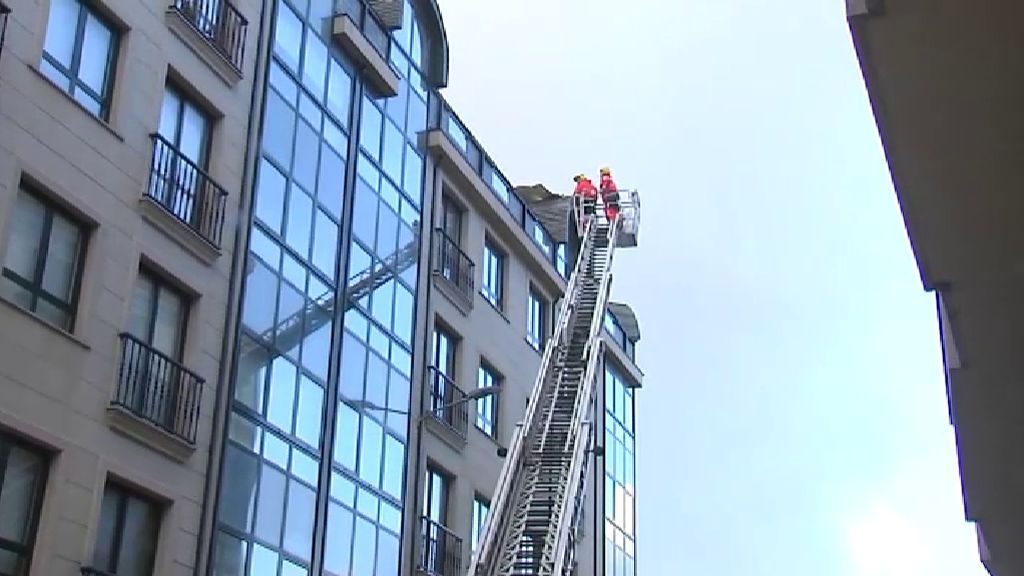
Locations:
{"points": [[316, 122], [619, 476]]}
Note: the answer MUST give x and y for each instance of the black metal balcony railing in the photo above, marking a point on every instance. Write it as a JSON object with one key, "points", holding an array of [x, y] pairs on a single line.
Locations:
{"points": [[447, 402], [220, 24], [441, 550], [368, 24], [452, 263], [157, 389], [186, 191]]}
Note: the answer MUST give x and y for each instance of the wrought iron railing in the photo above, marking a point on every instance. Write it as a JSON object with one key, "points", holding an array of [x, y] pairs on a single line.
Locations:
{"points": [[186, 191], [368, 24], [440, 550], [452, 263], [156, 388], [447, 402], [220, 24]]}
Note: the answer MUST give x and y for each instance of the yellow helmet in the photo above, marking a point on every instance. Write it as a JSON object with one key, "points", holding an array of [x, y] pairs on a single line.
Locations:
{"points": [[579, 177], [606, 171]]}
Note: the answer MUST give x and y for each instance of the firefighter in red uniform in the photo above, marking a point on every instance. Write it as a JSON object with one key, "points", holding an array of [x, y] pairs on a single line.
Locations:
{"points": [[586, 195], [609, 194]]}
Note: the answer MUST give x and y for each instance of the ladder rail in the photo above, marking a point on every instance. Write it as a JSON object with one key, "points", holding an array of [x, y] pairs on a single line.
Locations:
{"points": [[584, 401], [485, 555]]}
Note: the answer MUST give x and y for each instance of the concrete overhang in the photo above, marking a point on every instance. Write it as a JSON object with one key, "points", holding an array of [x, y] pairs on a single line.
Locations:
{"points": [[946, 83], [377, 71]]}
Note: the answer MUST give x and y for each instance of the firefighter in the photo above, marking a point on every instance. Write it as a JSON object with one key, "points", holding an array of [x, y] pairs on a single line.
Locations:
{"points": [[609, 194], [586, 196]]}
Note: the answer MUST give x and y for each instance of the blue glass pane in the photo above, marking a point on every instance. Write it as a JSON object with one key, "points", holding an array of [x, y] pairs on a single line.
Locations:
{"points": [[298, 533], [370, 447], [394, 143], [339, 93], [383, 303], [394, 466], [325, 244], [404, 311], [396, 105], [300, 219], [376, 380], [278, 129], [310, 412], [314, 67], [288, 35], [364, 217], [346, 437], [306, 161], [316, 349], [281, 400], [413, 182], [365, 548], [264, 562], [331, 186], [343, 490], [387, 234], [238, 489], [260, 293], [270, 510], [370, 129], [387, 554], [338, 544], [417, 115]]}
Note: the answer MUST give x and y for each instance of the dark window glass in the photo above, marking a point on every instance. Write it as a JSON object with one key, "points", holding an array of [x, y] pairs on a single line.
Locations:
{"points": [[444, 352], [451, 220], [79, 53], [492, 287], [127, 535], [43, 264], [230, 556], [238, 496], [23, 473]]}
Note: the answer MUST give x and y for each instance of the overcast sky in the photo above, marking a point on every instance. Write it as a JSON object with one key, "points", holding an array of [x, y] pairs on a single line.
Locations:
{"points": [[793, 418]]}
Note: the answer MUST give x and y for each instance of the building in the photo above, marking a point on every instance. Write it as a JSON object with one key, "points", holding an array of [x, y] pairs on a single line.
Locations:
{"points": [[944, 81], [122, 133], [297, 310]]}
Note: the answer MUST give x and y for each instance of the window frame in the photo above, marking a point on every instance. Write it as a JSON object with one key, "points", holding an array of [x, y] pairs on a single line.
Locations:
{"points": [[477, 523], [435, 475], [186, 101], [34, 286], [105, 100], [486, 423], [160, 283], [452, 218], [493, 261], [452, 340], [536, 318], [124, 494], [24, 551]]}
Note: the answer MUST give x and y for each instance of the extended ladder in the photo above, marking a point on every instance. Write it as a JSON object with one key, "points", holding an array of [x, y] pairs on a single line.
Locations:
{"points": [[531, 526]]}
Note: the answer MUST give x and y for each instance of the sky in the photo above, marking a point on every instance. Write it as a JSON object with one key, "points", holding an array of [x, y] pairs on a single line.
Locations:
{"points": [[793, 418]]}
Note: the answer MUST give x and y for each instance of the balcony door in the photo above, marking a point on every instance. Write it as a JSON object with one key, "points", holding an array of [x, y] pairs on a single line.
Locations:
{"points": [[451, 225], [157, 323], [442, 393], [181, 156]]}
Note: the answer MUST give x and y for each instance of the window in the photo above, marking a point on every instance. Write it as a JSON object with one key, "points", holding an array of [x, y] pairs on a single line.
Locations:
{"points": [[435, 504], [127, 533], [480, 509], [536, 330], [451, 219], [22, 480], [185, 125], [181, 153], [487, 407], [79, 53], [43, 264], [494, 275], [445, 344], [158, 315]]}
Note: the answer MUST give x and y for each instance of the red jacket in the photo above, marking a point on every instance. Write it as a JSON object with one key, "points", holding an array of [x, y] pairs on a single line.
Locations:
{"points": [[586, 189], [607, 184]]}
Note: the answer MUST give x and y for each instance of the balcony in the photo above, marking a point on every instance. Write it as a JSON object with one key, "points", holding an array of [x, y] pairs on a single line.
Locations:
{"points": [[441, 551], [447, 403], [456, 269], [220, 26], [188, 195], [155, 389], [361, 34]]}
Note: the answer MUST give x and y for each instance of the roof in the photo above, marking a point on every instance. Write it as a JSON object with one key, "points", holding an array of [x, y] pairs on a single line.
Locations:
{"points": [[627, 320], [550, 209]]}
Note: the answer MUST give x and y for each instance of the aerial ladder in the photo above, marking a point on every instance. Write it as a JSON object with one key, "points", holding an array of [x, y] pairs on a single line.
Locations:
{"points": [[533, 521]]}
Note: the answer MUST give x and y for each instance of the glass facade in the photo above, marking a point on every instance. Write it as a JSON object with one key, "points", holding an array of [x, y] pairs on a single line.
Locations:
{"points": [[619, 476], [306, 441]]}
